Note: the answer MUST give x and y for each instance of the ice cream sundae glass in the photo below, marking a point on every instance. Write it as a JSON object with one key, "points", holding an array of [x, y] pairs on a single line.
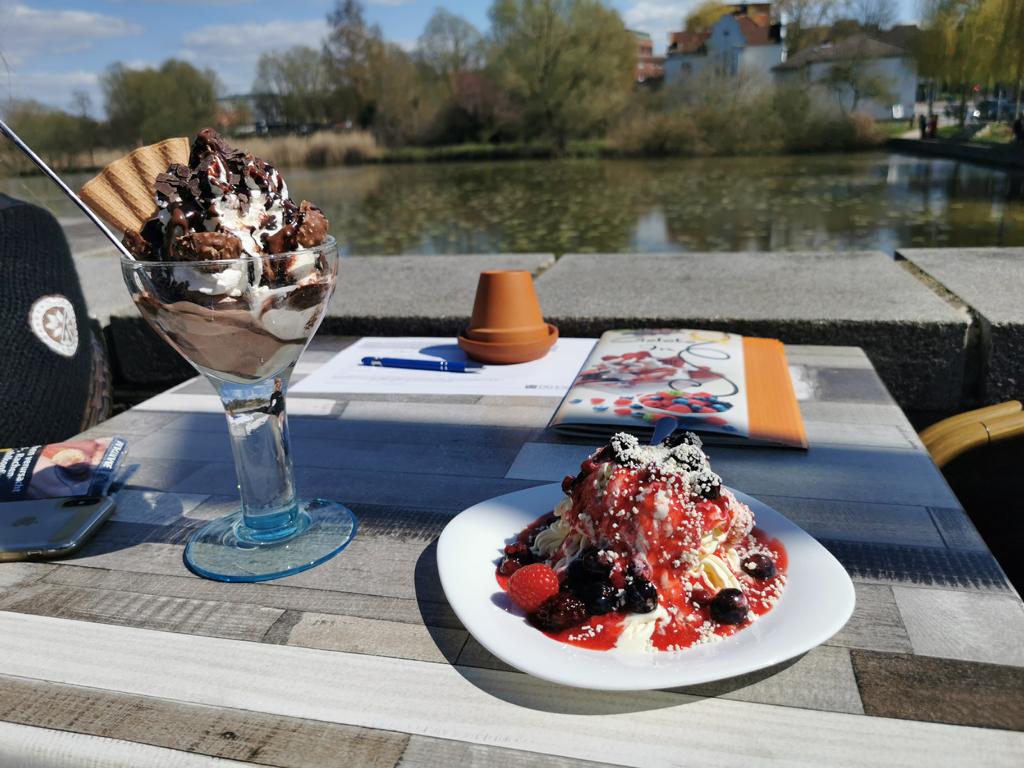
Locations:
{"points": [[236, 277]]}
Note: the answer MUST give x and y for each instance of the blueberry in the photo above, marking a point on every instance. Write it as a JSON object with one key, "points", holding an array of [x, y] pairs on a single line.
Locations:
{"points": [[575, 575], [641, 596], [760, 566], [597, 562], [599, 597], [729, 607]]}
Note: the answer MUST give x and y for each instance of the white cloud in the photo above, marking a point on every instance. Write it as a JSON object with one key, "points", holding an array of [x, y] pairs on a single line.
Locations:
{"points": [[29, 32], [232, 50], [54, 88], [658, 18]]}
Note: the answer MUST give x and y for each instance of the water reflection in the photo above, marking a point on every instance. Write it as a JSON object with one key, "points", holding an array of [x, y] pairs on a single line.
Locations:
{"points": [[844, 202], [825, 202]]}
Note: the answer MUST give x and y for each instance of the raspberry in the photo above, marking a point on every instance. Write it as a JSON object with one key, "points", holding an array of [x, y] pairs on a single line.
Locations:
{"points": [[531, 585], [559, 612]]}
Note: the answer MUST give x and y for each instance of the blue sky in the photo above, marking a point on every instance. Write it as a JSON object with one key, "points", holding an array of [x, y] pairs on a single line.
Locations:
{"points": [[54, 47]]}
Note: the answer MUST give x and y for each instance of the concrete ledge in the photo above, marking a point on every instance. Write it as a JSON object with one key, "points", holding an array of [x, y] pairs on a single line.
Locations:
{"points": [[915, 339], [414, 295], [1000, 156], [989, 282]]}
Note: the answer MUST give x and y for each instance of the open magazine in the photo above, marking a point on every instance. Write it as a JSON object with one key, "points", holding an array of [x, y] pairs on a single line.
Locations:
{"points": [[725, 387]]}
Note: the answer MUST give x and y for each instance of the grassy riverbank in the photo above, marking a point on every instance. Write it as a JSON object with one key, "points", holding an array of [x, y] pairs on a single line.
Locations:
{"points": [[663, 135]]}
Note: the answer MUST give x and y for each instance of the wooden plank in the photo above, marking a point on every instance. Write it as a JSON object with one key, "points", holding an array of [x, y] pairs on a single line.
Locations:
{"points": [[838, 473], [19, 574], [957, 530], [920, 566], [272, 595], [424, 752], [443, 458], [861, 435], [156, 507], [441, 701], [963, 625], [233, 734], [27, 747], [941, 690], [376, 637], [853, 413], [526, 415], [371, 565], [201, 617], [388, 487], [876, 623], [859, 521], [821, 679]]}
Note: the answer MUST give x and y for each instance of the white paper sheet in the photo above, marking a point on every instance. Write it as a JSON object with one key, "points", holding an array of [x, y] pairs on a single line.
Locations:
{"points": [[550, 376]]}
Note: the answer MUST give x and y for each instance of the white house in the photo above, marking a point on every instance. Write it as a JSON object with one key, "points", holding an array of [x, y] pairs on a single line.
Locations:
{"points": [[862, 58], [736, 43]]}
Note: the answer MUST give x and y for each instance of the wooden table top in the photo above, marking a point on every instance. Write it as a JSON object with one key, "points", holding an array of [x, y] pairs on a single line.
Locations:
{"points": [[120, 656]]}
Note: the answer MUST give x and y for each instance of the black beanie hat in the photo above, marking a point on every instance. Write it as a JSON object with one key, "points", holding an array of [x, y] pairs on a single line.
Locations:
{"points": [[45, 348]]}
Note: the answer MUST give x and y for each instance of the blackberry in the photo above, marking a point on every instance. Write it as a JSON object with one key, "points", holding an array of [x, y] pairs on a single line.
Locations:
{"points": [[516, 556], [641, 596], [729, 607], [560, 612], [681, 437], [761, 567], [600, 597]]}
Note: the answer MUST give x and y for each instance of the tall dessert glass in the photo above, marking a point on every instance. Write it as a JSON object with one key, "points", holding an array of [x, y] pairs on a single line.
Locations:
{"points": [[243, 324]]}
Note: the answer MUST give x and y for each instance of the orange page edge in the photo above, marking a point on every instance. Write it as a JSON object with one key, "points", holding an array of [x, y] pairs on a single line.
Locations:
{"points": [[771, 402]]}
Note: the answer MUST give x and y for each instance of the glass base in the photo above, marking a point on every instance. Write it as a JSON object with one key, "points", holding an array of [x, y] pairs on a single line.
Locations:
{"points": [[222, 549]]}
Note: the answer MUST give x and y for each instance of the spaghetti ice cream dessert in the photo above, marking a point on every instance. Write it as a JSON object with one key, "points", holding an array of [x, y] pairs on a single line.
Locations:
{"points": [[647, 552], [245, 284]]}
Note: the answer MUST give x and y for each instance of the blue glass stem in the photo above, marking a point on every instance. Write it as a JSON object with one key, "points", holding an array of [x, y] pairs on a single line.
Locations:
{"points": [[258, 426]]}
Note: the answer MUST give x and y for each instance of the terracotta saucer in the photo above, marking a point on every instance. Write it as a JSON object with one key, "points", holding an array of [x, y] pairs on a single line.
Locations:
{"points": [[506, 354]]}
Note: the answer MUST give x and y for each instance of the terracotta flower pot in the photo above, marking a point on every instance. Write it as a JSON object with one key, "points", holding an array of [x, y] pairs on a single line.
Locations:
{"points": [[507, 325]]}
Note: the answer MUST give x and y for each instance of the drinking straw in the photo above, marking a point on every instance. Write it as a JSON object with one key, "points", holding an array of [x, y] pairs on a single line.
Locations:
{"points": [[6, 131]]}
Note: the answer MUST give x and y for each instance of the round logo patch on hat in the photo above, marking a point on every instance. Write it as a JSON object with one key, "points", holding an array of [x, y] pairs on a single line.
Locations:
{"points": [[52, 319]]}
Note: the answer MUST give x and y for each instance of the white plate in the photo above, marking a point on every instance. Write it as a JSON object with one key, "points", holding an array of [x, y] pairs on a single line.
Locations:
{"points": [[817, 601]]}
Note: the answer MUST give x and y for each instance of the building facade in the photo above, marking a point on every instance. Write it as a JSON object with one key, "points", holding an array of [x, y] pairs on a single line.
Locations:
{"points": [[845, 75], [743, 41], [649, 68]]}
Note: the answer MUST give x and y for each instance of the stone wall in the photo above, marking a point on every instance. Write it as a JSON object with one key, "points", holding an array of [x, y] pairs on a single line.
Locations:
{"points": [[944, 328]]}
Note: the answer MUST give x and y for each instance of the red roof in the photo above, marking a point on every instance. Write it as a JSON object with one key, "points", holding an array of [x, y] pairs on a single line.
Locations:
{"points": [[687, 42], [754, 33]]}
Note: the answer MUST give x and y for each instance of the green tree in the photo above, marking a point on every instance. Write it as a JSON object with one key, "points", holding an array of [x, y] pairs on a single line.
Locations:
{"points": [[450, 45], [293, 86], [874, 14], [952, 49], [1004, 19], [353, 53], [147, 105], [854, 80], [705, 15], [567, 64], [61, 138], [802, 17]]}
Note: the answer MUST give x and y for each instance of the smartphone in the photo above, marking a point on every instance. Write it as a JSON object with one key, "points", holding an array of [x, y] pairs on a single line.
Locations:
{"points": [[47, 528]]}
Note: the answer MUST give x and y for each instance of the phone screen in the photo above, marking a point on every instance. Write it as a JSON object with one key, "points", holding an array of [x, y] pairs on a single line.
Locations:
{"points": [[49, 526]]}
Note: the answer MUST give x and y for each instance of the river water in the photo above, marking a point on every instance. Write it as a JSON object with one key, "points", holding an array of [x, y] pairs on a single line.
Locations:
{"points": [[858, 201]]}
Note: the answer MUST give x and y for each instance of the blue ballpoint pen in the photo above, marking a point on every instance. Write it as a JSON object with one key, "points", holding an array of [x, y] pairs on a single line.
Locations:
{"points": [[420, 365]]}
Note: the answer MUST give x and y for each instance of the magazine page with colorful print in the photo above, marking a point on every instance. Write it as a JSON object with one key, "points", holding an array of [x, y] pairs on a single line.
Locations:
{"points": [[725, 386]]}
